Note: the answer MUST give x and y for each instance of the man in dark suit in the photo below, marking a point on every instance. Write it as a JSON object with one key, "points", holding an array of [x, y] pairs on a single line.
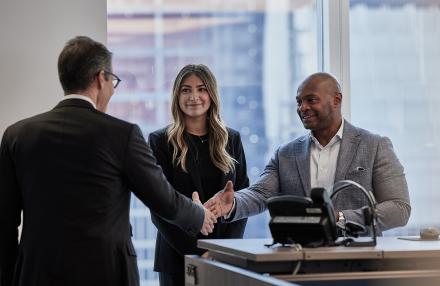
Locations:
{"points": [[70, 171]]}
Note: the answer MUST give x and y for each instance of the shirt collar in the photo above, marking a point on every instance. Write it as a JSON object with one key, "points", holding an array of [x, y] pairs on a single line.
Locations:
{"points": [[79, 96], [341, 130], [336, 138]]}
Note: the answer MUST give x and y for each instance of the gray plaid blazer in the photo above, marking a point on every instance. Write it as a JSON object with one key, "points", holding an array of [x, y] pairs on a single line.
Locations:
{"points": [[365, 158]]}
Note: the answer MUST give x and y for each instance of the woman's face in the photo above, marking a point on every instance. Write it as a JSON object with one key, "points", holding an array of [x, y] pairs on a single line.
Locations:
{"points": [[194, 99]]}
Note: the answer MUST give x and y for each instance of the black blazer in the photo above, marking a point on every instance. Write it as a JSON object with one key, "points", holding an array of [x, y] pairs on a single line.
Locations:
{"points": [[71, 171], [172, 244]]}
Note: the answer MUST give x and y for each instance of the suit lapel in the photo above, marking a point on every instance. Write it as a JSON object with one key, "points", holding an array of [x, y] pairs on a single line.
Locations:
{"points": [[302, 152], [350, 142]]}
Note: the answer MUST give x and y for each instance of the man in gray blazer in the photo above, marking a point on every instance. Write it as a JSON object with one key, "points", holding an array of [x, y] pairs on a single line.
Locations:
{"points": [[334, 150]]}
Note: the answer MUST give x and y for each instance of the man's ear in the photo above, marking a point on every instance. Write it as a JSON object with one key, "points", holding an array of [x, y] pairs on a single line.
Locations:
{"points": [[101, 80], [338, 99]]}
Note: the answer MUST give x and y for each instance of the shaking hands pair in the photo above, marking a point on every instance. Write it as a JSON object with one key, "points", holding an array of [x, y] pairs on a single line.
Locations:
{"points": [[217, 206]]}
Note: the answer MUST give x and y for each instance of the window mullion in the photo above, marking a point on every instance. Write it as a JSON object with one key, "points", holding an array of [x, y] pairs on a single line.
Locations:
{"points": [[336, 45]]}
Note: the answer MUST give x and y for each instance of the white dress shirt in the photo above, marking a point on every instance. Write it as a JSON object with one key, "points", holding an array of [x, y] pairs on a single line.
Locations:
{"points": [[323, 160], [79, 96]]}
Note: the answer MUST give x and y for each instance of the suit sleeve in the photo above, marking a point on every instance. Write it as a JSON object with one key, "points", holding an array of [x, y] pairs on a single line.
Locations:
{"points": [[10, 214], [252, 201], [389, 188], [159, 147], [148, 183]]}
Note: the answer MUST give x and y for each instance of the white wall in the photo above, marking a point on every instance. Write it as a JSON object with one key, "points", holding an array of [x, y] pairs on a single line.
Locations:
{"points": [[32, 34]]}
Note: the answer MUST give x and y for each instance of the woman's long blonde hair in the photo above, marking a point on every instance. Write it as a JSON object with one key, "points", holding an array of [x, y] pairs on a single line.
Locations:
{"points": [[218, 134]]}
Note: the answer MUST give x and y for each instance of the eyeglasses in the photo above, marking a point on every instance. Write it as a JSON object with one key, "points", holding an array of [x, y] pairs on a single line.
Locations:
{"points": [[116, 80]]}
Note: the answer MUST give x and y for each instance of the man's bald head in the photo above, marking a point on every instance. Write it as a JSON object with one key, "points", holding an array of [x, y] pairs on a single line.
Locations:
{"points": [[321, 78], [319, 101]]}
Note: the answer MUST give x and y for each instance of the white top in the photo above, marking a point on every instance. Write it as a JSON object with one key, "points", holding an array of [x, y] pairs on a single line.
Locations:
{"points": [[79, 96], [323, 160]]}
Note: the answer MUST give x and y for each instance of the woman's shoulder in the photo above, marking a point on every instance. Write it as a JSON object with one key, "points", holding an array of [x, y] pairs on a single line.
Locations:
{"points": [[232, 133], [234, 139], [159, 134]]}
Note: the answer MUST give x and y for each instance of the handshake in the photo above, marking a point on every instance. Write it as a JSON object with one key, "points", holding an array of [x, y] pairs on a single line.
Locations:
{"points": [[219, 205]]}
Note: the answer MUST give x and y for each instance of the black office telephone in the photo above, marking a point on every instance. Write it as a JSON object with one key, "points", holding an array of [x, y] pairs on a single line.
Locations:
{"points": [[311, 221], [300, 220]]}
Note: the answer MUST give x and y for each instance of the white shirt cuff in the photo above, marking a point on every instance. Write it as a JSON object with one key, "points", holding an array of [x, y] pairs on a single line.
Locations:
{"points": [[230, 212]]}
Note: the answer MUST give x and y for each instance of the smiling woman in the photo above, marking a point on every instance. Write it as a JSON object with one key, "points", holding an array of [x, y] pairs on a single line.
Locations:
{"points": [[195, 108], [194, 101], [197, 153]]}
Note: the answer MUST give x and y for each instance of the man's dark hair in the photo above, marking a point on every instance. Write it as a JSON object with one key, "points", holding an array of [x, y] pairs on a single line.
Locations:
{"points": [[80, 61]]}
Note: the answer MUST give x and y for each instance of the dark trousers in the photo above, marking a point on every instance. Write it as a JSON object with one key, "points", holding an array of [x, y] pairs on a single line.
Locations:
{"points": [[167, 279]]}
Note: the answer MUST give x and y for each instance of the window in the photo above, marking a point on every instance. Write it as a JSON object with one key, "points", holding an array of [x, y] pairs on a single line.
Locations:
{"points": [[395, 55], [258, 50]]}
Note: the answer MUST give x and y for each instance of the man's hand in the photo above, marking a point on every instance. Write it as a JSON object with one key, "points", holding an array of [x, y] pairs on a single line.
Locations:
{"points": [[209, 219], [221, 203], [206, 255]]}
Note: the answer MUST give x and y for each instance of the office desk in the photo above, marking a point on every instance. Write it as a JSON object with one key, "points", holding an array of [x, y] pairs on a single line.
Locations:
{"points": [[392, 261]]}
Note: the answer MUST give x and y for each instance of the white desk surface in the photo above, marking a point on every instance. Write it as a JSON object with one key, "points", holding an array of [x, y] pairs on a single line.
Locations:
{"points": [[386, 248]]}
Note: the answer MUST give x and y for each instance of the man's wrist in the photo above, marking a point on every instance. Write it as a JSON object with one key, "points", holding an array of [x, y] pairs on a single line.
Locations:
{"points": [[340, 220], [341, 217], [228, 215]]}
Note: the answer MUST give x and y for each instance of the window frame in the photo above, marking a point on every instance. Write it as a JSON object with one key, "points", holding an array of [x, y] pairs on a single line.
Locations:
{"points": [[335, 45]]}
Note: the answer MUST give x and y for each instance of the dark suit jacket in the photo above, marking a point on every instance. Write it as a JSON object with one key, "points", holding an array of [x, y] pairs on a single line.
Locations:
{"points": [[172, 244], [71, 171]]}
